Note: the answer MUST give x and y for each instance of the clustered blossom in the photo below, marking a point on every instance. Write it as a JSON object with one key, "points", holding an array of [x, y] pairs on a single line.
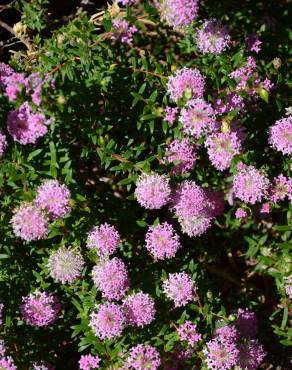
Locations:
{"points": [[65, 265], [250, 185], [162, 241], [253, 43], [280, 135], [29, 223], [222, 147], [111, 278], [181, 151], [2, 347], [7, 363], [213, 37], [178, 13], [107, 321], [54, 198], [152, 190], [13, 83], [221, 355], [243, 74], [104, 238], [231, 102], [89, 362], [197, 118], [251, 354], [3, 144], [170, 114], [180, 288], [123, 31], [188, 332], [40, 308], [196, 207], [246, 322], [240, 213], [26, 126], [143, 357], [288, 286], [139, 309], [186, 83]]}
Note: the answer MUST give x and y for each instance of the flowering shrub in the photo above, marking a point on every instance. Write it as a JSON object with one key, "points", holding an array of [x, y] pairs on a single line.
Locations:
{"points": [[145, 185]]}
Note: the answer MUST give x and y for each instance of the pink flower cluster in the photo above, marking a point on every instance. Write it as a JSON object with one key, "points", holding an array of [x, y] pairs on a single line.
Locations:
{"points": [[187, 83], [182, 154], [152, 190], [89, 362], [178, 13], [7, 363], [197, 118], [104, 238], [288, 286], [42, 366], [170, 114], [65, 265], [142, 357], [188, 332], [213, 37], [280, 135], [139, 309], [25, 125], [111, 278], [179, 288], [250, 184], [253, 43], [40, 308], [162, 241], [123, 31], [53, 198], [281, 188], [31, 220]]}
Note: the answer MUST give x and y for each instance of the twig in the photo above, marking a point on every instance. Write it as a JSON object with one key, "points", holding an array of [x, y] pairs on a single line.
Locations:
{"points": [[11, 30]]}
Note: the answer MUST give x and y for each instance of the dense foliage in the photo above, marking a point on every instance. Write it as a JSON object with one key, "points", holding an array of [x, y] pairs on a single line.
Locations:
{"points": [[145, 185]]}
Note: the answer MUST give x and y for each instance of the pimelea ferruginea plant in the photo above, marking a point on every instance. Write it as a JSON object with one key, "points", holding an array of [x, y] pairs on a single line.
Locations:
{"points": [[145, 183]]}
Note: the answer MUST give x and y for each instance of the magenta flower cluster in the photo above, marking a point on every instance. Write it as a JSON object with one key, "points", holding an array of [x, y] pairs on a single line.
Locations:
{"points": [[104, 238], [213, 37], [40, 308], [89, 362], [162, 241], [181, 153], [65, 265], [142, 357], [188, 332], [122, 31], [111, 278], [179, 288], [280, 137], [139, 309], [178, 13], [3, 144]]}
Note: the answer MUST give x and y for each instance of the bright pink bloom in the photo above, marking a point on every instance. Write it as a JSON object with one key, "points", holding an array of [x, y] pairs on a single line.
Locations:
{"points": [[89, 362], [180, 288], [281, 135], [180, 151], [139, 309], [213, 37], [104, 238], [143, 357], [123, 31], [188, 332], [178, 13]]}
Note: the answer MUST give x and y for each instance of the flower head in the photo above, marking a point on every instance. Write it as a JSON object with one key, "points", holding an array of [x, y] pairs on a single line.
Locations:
{"points": [[139, 309], [123, 31], [213, 37], [170, 114], [143, 357], [107, 321], [152, 190], [282, 187], [162, 241], [7, 363], [281, 135], [29, 222], [180, 151], [178, 13], [65, 265], [250, 185], [222, 147], [2, 348], [195, 225], [54, 198], [253, 43], [89, 362], [104, 238], [240, 213], [251, 354], [186, 82], [188, 332], [40, 308], [221, 355], [111, 277], [3, 144], [25, 126], [180, 288]]}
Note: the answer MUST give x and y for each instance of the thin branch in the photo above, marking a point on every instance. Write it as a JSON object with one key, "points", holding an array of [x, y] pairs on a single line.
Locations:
{"points": [[11, 30]]}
